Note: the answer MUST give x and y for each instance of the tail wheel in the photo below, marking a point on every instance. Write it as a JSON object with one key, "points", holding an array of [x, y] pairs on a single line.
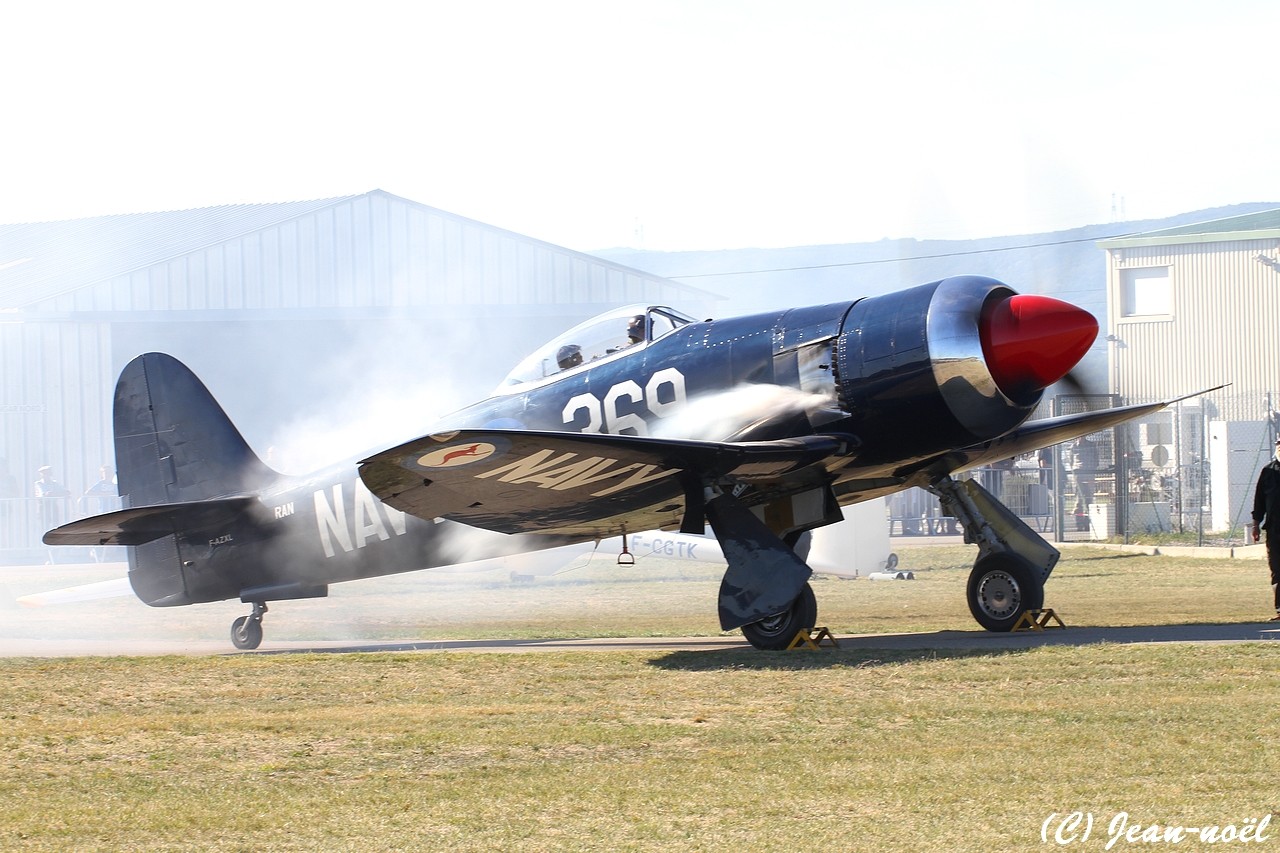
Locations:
{"points": [[775, 633], [246, 633], [1001, 588]]}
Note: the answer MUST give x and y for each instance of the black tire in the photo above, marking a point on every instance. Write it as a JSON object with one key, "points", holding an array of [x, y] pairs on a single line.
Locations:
{"points": [[1001, 588], [246, 633], [775, 633]]}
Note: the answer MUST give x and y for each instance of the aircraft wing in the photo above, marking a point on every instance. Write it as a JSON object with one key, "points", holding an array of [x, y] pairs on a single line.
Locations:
{"points": [[1046, 432], [596, 485], [139, 525], [583, 484]]}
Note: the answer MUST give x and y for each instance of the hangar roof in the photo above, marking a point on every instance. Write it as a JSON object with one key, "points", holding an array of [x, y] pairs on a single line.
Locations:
{"points": [[42, 258], [40, 261], [1249, 226]]}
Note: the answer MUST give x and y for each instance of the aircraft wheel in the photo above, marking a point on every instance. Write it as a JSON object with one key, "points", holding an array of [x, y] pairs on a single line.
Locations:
{"points": [[246, 633], [775, 633], [1001, 588]]}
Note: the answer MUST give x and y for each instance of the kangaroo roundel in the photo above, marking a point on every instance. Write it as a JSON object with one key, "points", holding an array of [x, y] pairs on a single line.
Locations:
{"points": [[463, 453]]}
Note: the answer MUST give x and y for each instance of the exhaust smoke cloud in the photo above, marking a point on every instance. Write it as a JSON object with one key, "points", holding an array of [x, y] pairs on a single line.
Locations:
{"points": [[742, 412]]}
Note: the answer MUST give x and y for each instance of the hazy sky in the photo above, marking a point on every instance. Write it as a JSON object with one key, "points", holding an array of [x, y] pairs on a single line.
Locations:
{"points": [[666, 124]]}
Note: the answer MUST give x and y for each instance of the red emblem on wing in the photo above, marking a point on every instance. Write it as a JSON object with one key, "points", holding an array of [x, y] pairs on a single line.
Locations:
{"points": [[460, 454], [473, 450]]}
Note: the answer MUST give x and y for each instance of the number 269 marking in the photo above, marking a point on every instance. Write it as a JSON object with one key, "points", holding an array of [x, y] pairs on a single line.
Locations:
{"points": [[619, 412]]}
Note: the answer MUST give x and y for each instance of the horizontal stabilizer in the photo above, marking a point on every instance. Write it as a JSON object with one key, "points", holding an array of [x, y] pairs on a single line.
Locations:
{"points": [[139, 525]]}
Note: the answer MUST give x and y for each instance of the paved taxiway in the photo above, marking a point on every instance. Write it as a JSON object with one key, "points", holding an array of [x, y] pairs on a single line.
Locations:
{"points": [[937, 640]]}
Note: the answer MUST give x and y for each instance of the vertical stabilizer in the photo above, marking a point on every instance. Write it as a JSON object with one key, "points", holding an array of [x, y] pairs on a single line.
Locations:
{"points": [[173, 441], [174, 444]]}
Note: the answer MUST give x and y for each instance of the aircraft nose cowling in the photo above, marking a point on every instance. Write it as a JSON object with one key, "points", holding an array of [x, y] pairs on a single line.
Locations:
{"points": [[951, 363], [1030, 342]]}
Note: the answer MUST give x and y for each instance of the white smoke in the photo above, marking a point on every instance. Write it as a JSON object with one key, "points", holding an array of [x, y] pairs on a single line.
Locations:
{"points": [[739, 412], [462, 544], [384, 387]]}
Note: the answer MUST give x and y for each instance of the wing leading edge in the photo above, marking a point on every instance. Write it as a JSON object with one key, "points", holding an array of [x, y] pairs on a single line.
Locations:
{"points": [[1046, 432]]}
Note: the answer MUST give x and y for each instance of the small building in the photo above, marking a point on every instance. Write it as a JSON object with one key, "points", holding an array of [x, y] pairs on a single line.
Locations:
{"points": [[1191, 308], [323, 327]]}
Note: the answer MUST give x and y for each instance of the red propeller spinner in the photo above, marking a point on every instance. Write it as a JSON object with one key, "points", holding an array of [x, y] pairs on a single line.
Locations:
{"points": [[1030, 341]]}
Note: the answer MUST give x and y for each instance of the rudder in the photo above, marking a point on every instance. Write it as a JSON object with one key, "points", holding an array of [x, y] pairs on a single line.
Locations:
{"points": [[174, 443]]}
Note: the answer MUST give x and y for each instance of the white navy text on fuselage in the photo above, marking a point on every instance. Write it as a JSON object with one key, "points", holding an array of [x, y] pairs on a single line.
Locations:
{"points": [[353, 527]]}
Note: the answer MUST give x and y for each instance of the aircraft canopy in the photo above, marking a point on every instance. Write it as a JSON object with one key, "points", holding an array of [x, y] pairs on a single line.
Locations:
{"points": [[603, 336]]}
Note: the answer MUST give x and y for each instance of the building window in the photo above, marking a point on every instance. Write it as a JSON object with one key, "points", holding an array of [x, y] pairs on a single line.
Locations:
{"points": [[1145, 292]]}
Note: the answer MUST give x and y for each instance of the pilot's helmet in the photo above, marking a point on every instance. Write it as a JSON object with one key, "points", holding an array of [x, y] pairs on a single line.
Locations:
{"points": [[635, 329], [569, 355]]}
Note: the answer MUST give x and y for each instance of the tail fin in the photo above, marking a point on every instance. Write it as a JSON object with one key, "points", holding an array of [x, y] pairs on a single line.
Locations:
{"points": [[174, 443]]}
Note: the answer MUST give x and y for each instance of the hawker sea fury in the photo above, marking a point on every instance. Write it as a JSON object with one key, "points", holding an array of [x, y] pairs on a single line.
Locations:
{"points": [[642, 419]]}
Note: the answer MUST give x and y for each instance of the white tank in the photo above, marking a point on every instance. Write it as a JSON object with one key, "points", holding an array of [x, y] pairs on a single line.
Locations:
{"points": [[855, 547]]}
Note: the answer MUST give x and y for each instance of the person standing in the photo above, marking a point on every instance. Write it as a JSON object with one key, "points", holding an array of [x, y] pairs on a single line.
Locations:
{"points": [[10, 494], [50, 494], [1085, 470], [102, 495], [1266, 516], [1044, 459]]}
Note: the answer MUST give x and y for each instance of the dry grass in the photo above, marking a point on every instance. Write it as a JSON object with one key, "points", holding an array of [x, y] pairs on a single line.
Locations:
{"points": [[842, 750], [615, 751]]}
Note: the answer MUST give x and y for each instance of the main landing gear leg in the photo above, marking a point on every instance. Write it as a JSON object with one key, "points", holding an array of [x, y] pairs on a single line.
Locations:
{"points": [[246, 632], [1013, 560], [765, 590]]}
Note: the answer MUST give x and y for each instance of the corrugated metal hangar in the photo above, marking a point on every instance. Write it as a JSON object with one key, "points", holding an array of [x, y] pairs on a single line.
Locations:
{"points": [[302, 317]]}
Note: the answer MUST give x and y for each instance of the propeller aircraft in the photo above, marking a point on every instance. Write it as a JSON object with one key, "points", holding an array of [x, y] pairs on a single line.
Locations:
{"points": [[761, 427]]}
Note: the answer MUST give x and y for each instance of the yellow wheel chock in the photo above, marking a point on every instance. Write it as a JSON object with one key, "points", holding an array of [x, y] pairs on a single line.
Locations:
{"points": [[812, 639], [1036, 620]]}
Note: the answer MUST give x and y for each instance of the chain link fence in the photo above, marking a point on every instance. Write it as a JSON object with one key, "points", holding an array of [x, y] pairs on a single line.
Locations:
{"points": [[1148, 478]]}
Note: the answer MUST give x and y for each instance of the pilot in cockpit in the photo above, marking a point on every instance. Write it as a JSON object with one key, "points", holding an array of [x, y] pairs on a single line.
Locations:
{"points": [[569, 355], [635, 330]]}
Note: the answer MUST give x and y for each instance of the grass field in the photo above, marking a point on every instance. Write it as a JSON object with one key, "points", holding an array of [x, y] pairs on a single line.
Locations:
{"points": [[728, 750]]}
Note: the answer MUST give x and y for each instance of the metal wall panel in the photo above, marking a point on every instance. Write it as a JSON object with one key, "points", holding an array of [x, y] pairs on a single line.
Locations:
{"points": [[52, 411], [1223, 328]]}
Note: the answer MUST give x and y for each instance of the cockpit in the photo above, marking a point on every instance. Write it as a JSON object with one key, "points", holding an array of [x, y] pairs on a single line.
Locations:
{"points": [[605, 336]]}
